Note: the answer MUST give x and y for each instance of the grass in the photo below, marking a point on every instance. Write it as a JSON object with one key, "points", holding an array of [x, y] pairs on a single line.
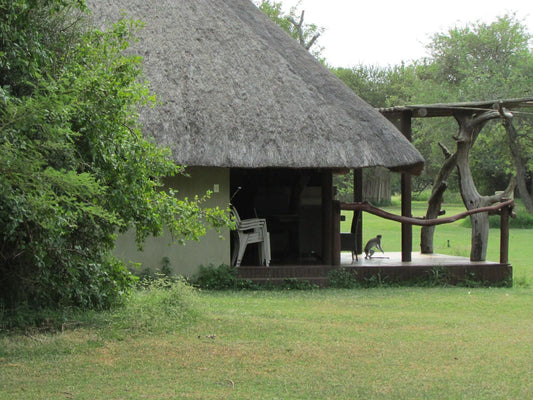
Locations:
{"points": [[397, 343], [171, 342]]}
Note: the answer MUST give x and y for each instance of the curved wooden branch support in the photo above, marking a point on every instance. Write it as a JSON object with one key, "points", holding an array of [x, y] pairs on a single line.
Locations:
{"points": [[365, 206]]}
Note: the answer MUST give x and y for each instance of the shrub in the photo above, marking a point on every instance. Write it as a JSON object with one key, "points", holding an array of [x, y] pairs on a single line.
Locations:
{"points": [[162, 305], [148, 274], [522, 220], [223, 277], [297, 284], [75, 167], [342, 278]]}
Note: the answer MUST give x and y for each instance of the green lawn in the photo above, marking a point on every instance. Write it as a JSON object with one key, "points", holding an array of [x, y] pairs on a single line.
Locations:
{"points": [[387, 343], [380, 343]]}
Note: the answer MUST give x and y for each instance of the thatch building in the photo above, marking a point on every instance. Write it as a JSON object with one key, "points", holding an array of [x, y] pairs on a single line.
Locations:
{"points": [[244, 105]]}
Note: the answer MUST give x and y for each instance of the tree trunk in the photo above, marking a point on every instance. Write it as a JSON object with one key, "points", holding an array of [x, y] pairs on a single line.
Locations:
{"points": [[377, 185], [519, 164], [469, 127], [435, 200]]}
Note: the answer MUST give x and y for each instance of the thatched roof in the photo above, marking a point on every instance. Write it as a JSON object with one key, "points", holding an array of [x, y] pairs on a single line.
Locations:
{"points": [[237, 91]]}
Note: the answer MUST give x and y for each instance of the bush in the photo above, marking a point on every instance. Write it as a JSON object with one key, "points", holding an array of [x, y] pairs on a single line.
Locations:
{"points": [[297, 284], [148, 274], [162, 305], [523, 220], [159, 305], [27, 318], [71, 149], [223, 277], [341, 278]]}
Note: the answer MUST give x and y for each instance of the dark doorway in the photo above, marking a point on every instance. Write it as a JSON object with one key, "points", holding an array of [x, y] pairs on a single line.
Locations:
{"points": [[291, 202]]}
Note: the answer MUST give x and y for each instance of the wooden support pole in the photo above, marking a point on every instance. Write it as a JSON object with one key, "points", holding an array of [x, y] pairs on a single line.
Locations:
{"points": [[406, 187], [337, 233], [327, 217], [357, 198], [504, 235]]}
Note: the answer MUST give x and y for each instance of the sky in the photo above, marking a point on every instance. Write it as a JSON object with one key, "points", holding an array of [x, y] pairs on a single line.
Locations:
{"points": [[388, 32]]}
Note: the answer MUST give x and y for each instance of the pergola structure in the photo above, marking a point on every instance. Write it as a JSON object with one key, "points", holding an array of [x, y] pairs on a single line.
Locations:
{"points": [[402, 116]]}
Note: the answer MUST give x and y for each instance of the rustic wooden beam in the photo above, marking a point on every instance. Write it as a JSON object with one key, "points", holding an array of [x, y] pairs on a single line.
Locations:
{"points": [[365, 206], [406, 188], [327, 217], [337, 233], [504, 234], [358, 197]]}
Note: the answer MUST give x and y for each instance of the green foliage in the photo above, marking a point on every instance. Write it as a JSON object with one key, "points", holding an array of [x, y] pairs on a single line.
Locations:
{"points": [[346, 278], [297, 284], [437, 277], [223, 277], [521, 221], [381, 86], [27, 318], [148, 274], [342, 278], [450, 197], [379, 280], [483, 60], [479, 61], [162, 305], [74, 166], [273, 9]]}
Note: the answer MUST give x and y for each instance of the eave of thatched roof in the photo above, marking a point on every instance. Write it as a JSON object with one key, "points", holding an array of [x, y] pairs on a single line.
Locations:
{"points": [[237, 91]]}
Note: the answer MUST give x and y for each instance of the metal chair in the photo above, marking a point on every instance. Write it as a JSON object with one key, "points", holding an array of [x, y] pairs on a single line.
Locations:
{"points": [[252, 230]]}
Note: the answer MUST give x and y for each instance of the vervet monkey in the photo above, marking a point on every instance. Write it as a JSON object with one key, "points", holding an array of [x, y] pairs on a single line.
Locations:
{"points": [[376, 242]]}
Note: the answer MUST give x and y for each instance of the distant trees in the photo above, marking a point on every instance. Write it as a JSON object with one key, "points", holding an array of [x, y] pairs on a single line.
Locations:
{"points": [[306, 34], [477, 62], [380, 87], [74, 167], [488, 62], [480, 61]]}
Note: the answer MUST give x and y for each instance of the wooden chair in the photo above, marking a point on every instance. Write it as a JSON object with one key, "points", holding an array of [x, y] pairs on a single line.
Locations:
{"points": [[248, 231], [349, 240]]}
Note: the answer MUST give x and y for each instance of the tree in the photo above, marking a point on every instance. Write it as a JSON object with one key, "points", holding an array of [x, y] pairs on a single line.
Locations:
{"points": [[471, 122], [380, 87], [75, 168], [488, 62], [305, 34]]}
